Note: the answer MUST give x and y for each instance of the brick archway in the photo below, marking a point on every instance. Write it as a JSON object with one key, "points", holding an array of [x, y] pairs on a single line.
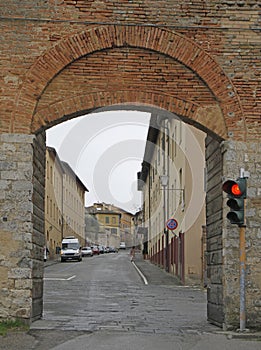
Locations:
{"points": [[183, 108], [168, 43], [31, 71]]}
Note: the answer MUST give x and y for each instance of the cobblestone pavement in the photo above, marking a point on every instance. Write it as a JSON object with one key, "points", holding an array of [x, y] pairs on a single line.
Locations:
{"points": [[130, 315]]}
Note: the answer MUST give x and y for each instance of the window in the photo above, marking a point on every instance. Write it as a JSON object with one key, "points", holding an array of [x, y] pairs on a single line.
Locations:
{"points": [[107, 219], [181, 198], [51, 174], [180, 184], [47, 205], [175, 142], [172, 146], [163, 142], [180, 132], [175, 196], [47, 167]]}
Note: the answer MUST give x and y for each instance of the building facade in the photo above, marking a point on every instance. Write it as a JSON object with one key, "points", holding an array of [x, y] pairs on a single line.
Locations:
{"points": [[115, 225], [140, 232], [172, 182], [64, 203], [126, 227]]}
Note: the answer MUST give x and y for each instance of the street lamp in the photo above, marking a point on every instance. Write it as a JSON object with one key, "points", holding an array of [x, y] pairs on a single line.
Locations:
{"points": [[164, 179]]}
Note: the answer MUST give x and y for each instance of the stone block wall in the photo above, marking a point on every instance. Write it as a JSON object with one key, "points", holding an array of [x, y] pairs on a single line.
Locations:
{"points": [[238, 155], [215, 307], [38, 240], [22, 239], [223, 161]]}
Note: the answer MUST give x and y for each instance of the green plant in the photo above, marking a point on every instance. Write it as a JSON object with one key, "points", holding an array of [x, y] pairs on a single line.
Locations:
{"points": [[12, 325]]}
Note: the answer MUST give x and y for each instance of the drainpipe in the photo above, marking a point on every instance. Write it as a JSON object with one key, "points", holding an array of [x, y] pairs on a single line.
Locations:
{"points": [[165, 192], [62, 208]]}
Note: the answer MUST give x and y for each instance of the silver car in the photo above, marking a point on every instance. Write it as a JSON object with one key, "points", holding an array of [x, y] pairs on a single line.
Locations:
{"points": [[87, 251]]}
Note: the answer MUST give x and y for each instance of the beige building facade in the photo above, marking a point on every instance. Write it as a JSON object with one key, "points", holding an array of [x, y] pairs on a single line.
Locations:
{"points": [[115, 225], [172, 182], [108, 225], [64, 203]]}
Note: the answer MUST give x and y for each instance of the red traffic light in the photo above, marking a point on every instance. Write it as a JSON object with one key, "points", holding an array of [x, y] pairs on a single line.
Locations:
{"points": [[235, 188]]}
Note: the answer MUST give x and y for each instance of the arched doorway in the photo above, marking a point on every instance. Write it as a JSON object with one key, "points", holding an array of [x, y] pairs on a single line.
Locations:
{"points": [[103, 67]]}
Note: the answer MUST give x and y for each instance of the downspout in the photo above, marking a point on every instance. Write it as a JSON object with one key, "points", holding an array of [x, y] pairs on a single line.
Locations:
{"points": [[62, 209], [165, 207], [150, 234]]}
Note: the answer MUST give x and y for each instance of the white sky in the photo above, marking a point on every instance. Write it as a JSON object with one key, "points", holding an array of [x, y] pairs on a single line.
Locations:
{"points": [[105, 150]]}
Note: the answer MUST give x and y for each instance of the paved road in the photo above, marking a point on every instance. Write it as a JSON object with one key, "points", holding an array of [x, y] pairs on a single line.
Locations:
{"points": [[102, 303]]}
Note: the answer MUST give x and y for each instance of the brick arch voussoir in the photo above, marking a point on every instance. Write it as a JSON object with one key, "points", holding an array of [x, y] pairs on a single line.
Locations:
{"points": [[78, 105], [94, 39]]}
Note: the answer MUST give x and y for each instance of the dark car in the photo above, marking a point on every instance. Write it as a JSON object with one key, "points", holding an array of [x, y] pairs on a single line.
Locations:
{"points": [[112, 250], [95, 250], [101, 249]]}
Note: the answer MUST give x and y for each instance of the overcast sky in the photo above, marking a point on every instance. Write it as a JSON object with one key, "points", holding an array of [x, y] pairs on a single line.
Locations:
{"points": [[105, 150]]}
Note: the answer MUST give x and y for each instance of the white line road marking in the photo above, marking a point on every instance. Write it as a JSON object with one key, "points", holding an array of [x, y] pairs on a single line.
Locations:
{"points": [[70, 278], [140, 273], [59, 279]]}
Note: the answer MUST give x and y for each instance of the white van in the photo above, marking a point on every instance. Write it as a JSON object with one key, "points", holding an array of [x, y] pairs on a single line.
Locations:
{"points": [[71, 249], [122, 245]]}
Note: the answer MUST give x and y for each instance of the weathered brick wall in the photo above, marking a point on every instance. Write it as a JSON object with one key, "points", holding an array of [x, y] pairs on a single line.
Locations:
{"points": [[228, 32]]}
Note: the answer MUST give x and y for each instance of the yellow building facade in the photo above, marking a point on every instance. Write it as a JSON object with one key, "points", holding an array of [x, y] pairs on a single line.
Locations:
{"points": [[64, 203], [115, 224], [172, 182]]}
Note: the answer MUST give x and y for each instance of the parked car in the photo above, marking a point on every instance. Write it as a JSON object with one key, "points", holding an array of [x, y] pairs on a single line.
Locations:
{"points": [[87, 251], [122, 245], [95, 250], [112, 250], [101, 249]]}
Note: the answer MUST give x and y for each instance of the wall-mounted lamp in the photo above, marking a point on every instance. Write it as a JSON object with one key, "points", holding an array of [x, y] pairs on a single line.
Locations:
{"points": [[164, 179]]}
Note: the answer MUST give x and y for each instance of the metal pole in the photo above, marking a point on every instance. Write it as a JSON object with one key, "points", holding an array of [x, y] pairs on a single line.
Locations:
{"points": [[165, 230], [242, 245], [167, 250]]}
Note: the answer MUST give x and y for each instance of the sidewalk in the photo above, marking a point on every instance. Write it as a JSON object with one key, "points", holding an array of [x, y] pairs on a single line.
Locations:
{"points": [[50, 262], [158, 276], [154, 274]]}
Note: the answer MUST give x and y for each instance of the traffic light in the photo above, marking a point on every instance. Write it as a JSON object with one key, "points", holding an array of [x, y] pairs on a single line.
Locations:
{"points": [[236, 190]]}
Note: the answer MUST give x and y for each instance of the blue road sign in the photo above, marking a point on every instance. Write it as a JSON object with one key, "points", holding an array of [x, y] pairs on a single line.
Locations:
{"points": [[172, 224]]}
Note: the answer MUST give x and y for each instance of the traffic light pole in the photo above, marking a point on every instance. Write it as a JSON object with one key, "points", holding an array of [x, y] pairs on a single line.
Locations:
{"points": [[237, 194], [242, 246]]}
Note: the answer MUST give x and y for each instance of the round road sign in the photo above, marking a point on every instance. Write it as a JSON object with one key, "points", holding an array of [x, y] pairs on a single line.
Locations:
{"points": [[172, 224]]}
